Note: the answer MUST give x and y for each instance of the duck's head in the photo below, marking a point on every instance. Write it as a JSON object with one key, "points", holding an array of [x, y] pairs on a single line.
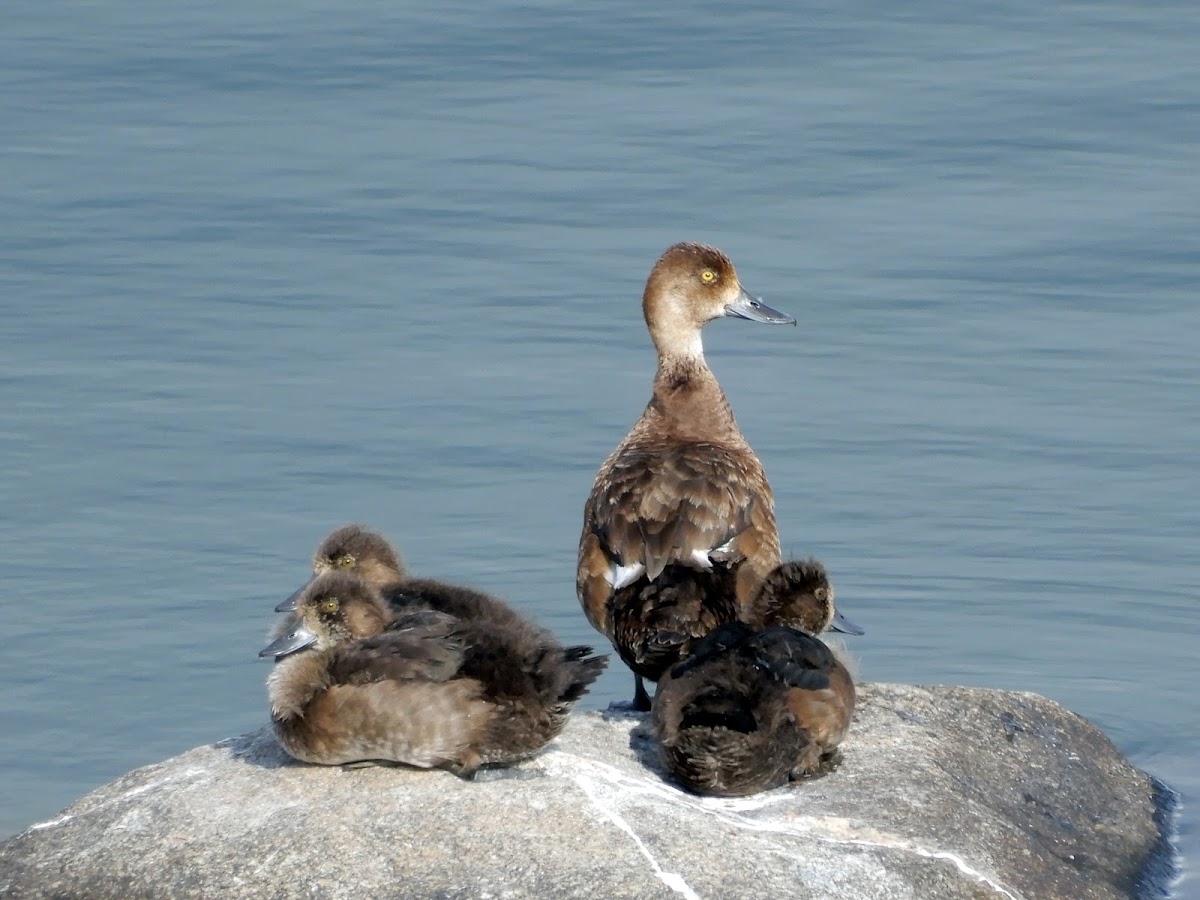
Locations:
{"points": [[798, 593], [356, 549], [332, 609], [690, 285]]}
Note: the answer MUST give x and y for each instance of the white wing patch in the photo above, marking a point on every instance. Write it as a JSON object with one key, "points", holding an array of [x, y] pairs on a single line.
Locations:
{"points": [[621, 576], [704, 559], [725, 552]]}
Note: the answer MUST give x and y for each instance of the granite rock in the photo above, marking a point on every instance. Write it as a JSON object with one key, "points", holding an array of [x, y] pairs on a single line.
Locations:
{"points": [[944, 792]]}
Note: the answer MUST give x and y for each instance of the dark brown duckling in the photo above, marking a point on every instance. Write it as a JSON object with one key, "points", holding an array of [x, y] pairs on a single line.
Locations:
{"points": [[755, 707], [654, 624], [353, 682], [366, 553], [683, 495]]}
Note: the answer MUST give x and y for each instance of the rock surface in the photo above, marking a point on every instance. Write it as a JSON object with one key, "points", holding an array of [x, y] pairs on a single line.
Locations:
{"points": [[944, 793]]}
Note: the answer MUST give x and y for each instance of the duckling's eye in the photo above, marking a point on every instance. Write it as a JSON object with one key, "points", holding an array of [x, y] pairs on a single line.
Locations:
{"points": [[345, 560], [708, 276], [330, 604]]}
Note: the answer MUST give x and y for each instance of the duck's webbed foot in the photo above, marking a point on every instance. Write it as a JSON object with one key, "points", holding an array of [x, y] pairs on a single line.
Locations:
{"points": [[464, 767], [822, 765], [466, 773]]}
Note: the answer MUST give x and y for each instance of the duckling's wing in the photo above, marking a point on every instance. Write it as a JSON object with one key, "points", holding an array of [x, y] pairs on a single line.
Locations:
{"points": [[792, 657], [713, 645], [427, 623], [655, 505], [426, 594], [425, 646]]}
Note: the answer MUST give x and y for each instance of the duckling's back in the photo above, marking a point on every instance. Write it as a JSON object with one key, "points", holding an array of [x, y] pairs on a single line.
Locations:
{"points": [[654, 624], [750, 710]]}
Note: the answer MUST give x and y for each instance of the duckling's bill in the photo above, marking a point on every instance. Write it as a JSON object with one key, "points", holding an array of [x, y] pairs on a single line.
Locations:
{"points": [[296, 639], [746, 306], [844, 625], [289, 605]]}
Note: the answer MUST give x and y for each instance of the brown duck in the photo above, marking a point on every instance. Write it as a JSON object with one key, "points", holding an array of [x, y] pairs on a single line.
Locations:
{"points": [[355, 682], [680, 526]]}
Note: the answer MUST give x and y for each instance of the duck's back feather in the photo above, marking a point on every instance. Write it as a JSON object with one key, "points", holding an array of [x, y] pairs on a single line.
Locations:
{"points": [[655, 505]]}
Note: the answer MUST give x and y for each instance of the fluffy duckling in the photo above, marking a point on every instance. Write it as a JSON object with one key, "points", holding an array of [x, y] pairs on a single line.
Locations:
{"points": [[354, 682], [755, 707], [357, 549], [683, 500]]}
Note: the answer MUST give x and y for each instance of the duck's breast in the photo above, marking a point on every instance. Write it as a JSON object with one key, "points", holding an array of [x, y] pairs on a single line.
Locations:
{"points": [[420, 724]]}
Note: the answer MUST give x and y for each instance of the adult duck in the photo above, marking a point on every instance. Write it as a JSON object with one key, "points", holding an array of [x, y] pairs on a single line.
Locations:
{"points": [[680, 526]]}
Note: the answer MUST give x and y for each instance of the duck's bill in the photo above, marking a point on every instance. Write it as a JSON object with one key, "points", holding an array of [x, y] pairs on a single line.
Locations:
{"points": [[752, 308], [844, 625], [294, 640], [289, 605]]}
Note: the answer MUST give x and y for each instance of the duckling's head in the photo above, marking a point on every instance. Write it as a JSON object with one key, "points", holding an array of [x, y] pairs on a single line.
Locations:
{"points": [[354, 548], [690, 285], [363, 552], [334, 608], [798, 594]]}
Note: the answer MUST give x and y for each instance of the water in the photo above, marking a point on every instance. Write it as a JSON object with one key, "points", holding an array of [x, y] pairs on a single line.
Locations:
{"points": [[269, 268]]}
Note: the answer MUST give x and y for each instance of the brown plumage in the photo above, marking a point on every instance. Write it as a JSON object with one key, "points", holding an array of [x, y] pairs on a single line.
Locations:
{"points": [[756, 706], [683, 497], [797, 593], [354, 681]]}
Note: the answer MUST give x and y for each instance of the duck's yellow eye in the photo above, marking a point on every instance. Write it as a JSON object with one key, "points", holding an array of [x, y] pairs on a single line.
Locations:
{"points": [[330, 604], [708, 276], [345, 560]]}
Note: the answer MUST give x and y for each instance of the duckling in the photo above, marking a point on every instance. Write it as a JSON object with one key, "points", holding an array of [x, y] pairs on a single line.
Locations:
{"points": [[355, 548], [353, 681], [679, 528], [757, 706]]}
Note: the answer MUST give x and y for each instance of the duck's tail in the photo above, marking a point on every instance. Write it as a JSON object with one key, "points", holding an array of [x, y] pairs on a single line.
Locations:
{"points": [[582, 669]]}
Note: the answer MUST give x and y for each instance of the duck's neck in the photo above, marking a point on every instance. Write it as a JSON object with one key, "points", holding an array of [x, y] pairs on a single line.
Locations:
{"points": [[688, 403]]}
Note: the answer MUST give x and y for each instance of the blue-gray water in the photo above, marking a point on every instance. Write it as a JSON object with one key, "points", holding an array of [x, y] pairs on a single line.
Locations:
{"points": [[268, 268]]}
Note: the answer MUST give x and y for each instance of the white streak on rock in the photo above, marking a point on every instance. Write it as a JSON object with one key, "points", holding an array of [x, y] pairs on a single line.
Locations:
{"points": [[673, 880], [185, 775], [726, 810], [50, 823]]}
